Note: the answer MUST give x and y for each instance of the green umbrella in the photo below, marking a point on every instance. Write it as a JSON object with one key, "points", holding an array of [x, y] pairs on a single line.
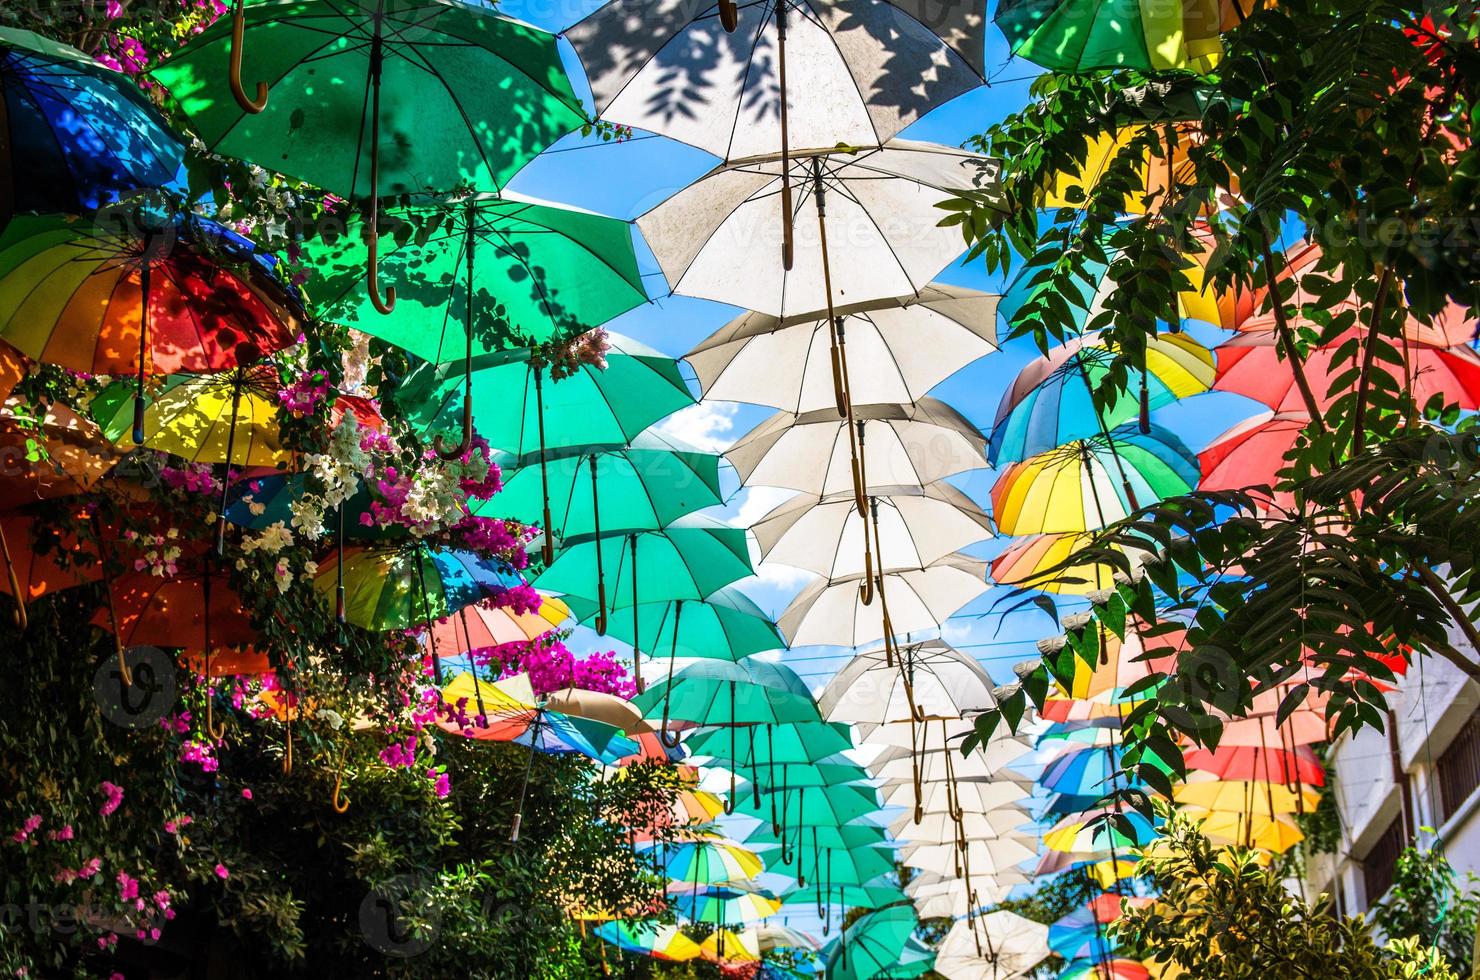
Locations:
{"points": [[873, 944], [826, 866], [847, 896], [843, 838], [690, 559], [796, 743], [481, 273], [1084, 35], [816, 806], [592, 407], [469, 96], [644, 486], [794, 776], [725, 626]]}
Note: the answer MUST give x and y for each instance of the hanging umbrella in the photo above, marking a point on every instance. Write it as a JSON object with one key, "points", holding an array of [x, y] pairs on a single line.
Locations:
{"points": [[1101, 830], [708, 860], [556, 733], [1118, 663], [403, 587], [692, 558], [1155, 174], [75, 134], [812, 806], [836, 771], [872, 944], [994, 946], [1049, 403], [644, 485], [1080, 35], [771, 937], [902, 446], [1275, 765], [849, 896], [827, 867], [942, 827], [727, 625], [1081, 933], [725, 903], [843, 838], [59, 454], [833, 612], [517, 412], [41, 559], [724, 946], [980, 797], [1091, 484], [987, 856], [901, 348], [930, 680], [829, 537], [647, 938], [495, 272], [481, 625], [1116, 969], [1252, 454], [1251, 364], [490, 710], [788, 743], [1245, 829], [1245, 796], [1027, 563], [470, 97], [858, 75], [126, 300]]}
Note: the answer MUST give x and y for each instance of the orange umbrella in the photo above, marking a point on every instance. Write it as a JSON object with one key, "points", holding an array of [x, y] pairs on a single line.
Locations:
{"points": [[34, 554], [477, 626], [56, 455]]}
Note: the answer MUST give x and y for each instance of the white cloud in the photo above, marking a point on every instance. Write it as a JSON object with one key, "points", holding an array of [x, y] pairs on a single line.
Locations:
{"points": [[707, 426]]}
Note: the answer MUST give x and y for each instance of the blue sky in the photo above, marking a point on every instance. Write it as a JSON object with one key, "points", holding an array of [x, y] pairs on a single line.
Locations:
{"points": [[627, 179]]}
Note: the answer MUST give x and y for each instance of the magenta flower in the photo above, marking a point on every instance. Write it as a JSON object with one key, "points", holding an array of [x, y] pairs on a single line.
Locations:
{"points": [[112, 797], [221, 872]]}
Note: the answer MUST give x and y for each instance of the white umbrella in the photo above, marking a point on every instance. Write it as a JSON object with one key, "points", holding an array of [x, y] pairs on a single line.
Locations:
{"points": [[718, 238], [904, 446], [833, 613], [940, 827], [930, 681], [900, 348], [994, 946], [771, 936], [937, 796], [946, 896], [714, 73], [987, 856], [938, 765], [829, 537]]}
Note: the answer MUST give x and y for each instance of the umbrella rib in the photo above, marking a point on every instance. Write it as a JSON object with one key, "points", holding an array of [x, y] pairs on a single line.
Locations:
{"points": [[744, 80]]}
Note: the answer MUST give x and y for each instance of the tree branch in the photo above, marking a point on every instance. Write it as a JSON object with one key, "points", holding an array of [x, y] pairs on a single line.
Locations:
{"points": [[1287, 340], [1440, 591], [1369, 355]]}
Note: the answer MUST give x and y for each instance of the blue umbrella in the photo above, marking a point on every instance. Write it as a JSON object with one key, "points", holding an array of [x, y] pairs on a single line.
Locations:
{"points": [[74, 135]]}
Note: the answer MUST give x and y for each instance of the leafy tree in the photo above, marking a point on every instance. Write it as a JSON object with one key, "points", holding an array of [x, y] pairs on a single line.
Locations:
{"points": [[1223, 915], [1346, 123], [1428, 901]]}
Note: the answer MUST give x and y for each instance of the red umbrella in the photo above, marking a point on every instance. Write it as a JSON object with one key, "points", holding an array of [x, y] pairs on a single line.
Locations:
{"points": [[1244, 762], [1248, 313], [1252, 453], [33, 552], [1250, 365]]}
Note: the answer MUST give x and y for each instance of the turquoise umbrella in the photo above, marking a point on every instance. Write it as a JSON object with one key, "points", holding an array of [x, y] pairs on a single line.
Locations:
{"points": [[873, 944]]}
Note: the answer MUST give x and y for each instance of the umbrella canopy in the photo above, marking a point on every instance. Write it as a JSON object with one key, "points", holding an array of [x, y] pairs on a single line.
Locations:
{"points": [[1244, 829], [836, 771], [1082, 35], [872, 944], [724, 946], [401, 587], [844, 837], [1115, 969], [789, 743], [902, 446], [725, 904], [987, 856], [830, 537], [727, 625], [900, 348], [981, 797], [1049, 403], [941, 826], [196, 610], [493, 272], [225, 417], [848, 896], [1275, 765], [596, 706], [1252, 454], [833, 613], [1092, 483], [1251, 364], [481, 625], [772, 937], [708, 860], [714, 692], [1246, 796], [858, 74], [77, 134], [717, 238], [647, 938], [494, 710], [42, 559], [811, 806], [1155, 173], [1027, 562], [931, 678], [124, 300], [644, 485], [468, 97], [994, 946], [555, 733], [57, 455], [1101, 830], [824, 866]]}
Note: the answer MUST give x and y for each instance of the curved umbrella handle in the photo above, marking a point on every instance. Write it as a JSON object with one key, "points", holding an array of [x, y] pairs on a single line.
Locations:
{"points": [[729, 15], [372, 258], [21, 619], [730, 799], [288, 748], [669, 741], [339, 802], [443, 452], [234, 65]]}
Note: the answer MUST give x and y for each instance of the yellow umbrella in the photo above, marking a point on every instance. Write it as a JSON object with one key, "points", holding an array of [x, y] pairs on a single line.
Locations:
{"points": [[1154, 173], [724, 946], [507, 706], [226, 417], [1240, 796], [1277, 834], [1025, 563]]}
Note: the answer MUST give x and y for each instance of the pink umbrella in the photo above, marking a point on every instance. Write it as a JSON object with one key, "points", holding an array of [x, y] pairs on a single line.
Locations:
{"points": [[1252, 453], [1243, 762]]}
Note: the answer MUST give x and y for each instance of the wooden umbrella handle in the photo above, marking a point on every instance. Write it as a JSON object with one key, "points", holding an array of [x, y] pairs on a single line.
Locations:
{"points": [[729, 15], [234, 65]]}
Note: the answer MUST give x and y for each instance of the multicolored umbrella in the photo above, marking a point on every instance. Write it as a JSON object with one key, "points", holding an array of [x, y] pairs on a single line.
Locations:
{"points": [[1092, 483], [1084, 35], [401, 587], [1102, 830], [142, 298], [647, 938], [1116, 969], [708, 860], [1027, 565], [726, 904], [1275, 765], [724, 946], [481, 625], [1049, 403], [76, 134], [57, 455], [470, 96]]}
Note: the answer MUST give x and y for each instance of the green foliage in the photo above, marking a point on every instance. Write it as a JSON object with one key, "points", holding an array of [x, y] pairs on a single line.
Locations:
{"points": [[1428, 902], [1222, 915]]}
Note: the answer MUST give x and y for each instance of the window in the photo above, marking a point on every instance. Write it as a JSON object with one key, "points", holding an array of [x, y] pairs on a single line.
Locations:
{"points": [[1377, 866], [1458, 769]]}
